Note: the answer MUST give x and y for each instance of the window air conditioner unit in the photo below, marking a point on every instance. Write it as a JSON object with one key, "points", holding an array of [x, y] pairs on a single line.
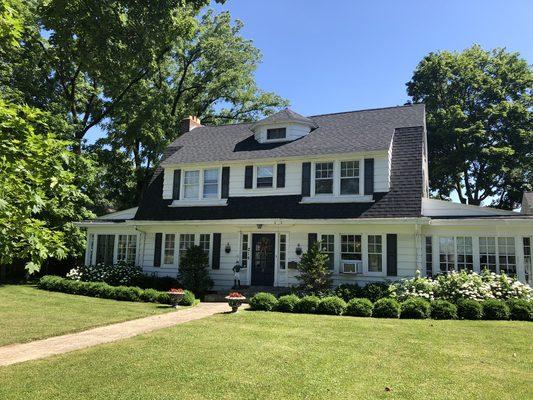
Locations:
{"points": [[352, 267]]}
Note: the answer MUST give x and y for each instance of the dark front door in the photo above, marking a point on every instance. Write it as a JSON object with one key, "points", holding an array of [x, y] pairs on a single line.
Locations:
{"points": [[263, 246]]}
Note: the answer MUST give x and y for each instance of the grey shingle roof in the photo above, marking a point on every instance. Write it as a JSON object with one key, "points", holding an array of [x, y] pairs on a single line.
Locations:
{"points": [[346, 132], [283, 116]]}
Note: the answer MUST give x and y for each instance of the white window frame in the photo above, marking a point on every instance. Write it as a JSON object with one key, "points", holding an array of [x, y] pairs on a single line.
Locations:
{"points": [[129, 237], [507, 255], [366, 265], [196, 242], [337, 178], [217, 195], [464, 254], [353, 177], [496, 266], [163, 248], [528, 275], [274, 176], [454, 254], [335, 241], [362, 253], [286, 251], [314, 179], [242, 250], [200, 196]]}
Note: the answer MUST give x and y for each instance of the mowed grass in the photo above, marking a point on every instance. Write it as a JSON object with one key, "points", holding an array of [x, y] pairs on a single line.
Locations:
{"points": [[27, 313], [255, 355]]}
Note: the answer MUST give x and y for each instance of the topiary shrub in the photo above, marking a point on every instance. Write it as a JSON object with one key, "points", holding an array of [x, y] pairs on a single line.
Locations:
{"points": [[308, 305], [374, 291], [495, 310], [520, 310], [359, 308], [469, 309], [263, 302], [331, 305], [414, 308], [288, 303], [348, 291], [386, 308], [442, 309]]}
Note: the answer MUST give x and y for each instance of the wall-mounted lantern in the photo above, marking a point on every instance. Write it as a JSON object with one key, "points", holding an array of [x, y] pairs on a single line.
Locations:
{"points": [[228, 248], [298, 250]]}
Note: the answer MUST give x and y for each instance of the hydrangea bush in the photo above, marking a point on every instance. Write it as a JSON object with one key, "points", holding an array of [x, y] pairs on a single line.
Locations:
{"points": [[121, 273], [462, 285]]}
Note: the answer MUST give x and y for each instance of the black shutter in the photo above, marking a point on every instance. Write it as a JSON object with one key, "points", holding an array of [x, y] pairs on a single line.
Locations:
{"points": [[392, 254], [176, 184], [225, 182], [248, 176], [215, 262], [369, 175], [157, 249], [311, 239], [306, 179], [280, 171]]}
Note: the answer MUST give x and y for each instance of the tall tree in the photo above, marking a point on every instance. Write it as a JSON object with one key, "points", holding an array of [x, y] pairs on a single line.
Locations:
{"points": [[209, 75], [479, 121]]}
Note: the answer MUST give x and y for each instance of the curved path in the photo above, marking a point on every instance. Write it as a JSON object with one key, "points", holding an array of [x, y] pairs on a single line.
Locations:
{"points": [[16, 353]]}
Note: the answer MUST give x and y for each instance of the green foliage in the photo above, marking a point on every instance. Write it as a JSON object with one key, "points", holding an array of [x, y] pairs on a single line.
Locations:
{"points": [[162, 283], [469, 309], [331, 305], [288, 303], [375, 291], [386, 308], [495, 310], [359, 308], [414, 308], [348, 291], [194, 274], [480, 130], [263, 302], [120, 273], [105, 291], [308, 305], [520, 310], [442, 309], [314, 275]]}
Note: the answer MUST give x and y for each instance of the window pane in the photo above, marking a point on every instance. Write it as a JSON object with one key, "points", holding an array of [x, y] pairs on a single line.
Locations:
{"points": [[205, 242], [323, 178], [244, 251], [191, 185], [122, 247], [447, 254], [506, 252], [210, 183], [351, 247], [132, 248], [105, 246], [277, 133], [375, 249], [487, 253], [282, 251], [429, 256], [328, 246], [265, 176], [168, 255], [464, 253]]}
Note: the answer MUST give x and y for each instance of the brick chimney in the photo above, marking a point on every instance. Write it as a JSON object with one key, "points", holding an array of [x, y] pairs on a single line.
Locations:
{"points": [[188, 124]]}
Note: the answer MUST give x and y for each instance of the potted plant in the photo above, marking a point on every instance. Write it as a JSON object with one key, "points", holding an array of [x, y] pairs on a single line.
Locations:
{"points": [[176, 295], [235, 299]]}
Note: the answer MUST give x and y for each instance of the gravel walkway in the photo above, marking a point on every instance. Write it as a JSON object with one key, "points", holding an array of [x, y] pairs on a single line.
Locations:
{"points": [[16, 353]]}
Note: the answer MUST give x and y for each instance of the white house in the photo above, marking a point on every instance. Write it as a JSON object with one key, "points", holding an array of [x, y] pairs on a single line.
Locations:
{"points": [[259, 194]]}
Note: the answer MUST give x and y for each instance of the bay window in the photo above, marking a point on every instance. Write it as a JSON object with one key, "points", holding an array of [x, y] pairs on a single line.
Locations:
{"points": [[375, 253], [324, 178], [265, 176], [349, 177]]}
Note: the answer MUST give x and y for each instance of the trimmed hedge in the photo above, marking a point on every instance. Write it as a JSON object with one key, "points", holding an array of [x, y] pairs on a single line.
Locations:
{"points": [[288, 303], [105, 291], [263, 301], [443, 309], [495, 310], [308, 305], [331, 305], [359, 308], [414, 308], [469, 309], [386, 308], [520, 310]]}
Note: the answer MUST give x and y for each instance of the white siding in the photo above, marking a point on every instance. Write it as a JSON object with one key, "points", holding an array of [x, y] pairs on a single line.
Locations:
{"points": [[293, 181], [294, 131], [168, 180]]}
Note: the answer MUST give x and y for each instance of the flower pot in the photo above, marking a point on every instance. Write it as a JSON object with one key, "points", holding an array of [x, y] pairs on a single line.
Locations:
{"points": [[235, 302], [175, 296]]}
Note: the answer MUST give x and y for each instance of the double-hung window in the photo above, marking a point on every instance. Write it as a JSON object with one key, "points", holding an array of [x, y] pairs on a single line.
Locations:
{"points": [[324, 178], [349, 177], [127, 247], [447, 254], [186, 242], [506, 255], [465, 258], [487, 253], [375, 253], [265, 176], [328, 247], [205, 243], [168, 250], [191, 185], [210, 189], [351, 254]]}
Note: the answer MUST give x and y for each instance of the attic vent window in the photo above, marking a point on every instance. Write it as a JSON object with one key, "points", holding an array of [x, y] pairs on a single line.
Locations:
{"points": [[276, 133]]}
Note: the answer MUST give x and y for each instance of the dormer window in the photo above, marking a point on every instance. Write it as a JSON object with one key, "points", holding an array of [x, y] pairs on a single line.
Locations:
{"points": [[276, 133]]}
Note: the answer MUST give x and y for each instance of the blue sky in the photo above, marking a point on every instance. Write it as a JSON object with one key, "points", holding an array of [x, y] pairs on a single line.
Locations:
{"points": [[332, 56]]}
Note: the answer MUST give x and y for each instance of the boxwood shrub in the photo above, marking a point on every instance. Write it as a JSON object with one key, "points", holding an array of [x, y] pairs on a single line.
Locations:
{"points": [[520, 310], [331, 305], [414, 308], [386, 308], [105, 291], [469, 309], [288, 303], [308, 305], [442, 309], [359, 308], [495, 310], [374, 291], [348, 291], [263, 301]]}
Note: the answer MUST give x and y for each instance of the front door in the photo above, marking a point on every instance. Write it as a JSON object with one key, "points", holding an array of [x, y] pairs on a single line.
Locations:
{"points": [[263, 246]]}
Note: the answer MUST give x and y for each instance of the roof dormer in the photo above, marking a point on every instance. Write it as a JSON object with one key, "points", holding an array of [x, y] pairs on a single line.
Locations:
{"points": [[284, 126]]}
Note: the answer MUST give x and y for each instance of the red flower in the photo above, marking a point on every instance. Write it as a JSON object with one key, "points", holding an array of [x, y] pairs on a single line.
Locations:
{"points": [[174, 290], [234, 295]]}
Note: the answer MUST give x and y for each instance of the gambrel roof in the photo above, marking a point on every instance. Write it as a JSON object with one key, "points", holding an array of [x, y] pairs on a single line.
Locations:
{"points": [[345, 132]]}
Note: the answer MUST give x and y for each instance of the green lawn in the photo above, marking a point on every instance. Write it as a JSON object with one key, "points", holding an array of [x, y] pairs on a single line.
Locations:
{"points": [[254, 355], [27, 313]]}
